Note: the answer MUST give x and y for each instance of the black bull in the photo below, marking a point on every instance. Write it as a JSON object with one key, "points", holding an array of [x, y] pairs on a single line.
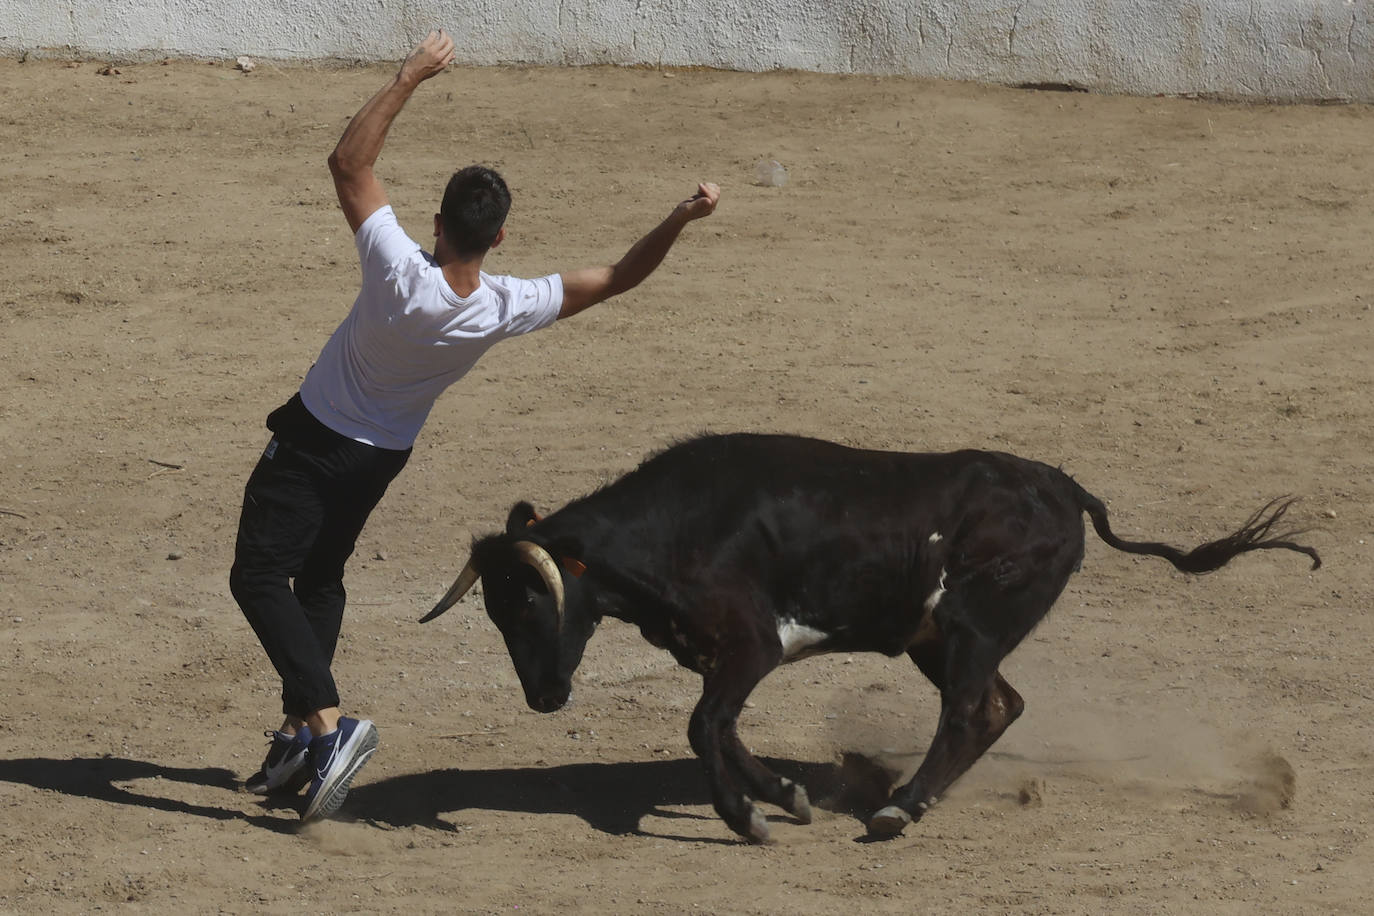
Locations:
{"points": [[737, 553]]}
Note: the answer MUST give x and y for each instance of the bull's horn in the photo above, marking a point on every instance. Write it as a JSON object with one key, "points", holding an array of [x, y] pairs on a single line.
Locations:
{"points": [[466, 579], [536, 556]]}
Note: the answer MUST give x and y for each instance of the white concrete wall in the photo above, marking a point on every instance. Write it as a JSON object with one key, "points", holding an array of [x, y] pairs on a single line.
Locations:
{"points": [[1281, 49]]}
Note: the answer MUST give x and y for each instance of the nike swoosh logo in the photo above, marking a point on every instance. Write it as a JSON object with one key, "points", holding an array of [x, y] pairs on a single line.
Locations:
{"points": [[320, 771]]}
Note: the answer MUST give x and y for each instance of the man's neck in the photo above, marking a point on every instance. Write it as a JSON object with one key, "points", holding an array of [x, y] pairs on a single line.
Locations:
{"points": [[462, 276]]}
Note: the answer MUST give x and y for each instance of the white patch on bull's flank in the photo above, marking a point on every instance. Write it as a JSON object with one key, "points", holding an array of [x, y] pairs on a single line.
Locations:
{"points": [[796, 638], [936, 537], [936, 595]]}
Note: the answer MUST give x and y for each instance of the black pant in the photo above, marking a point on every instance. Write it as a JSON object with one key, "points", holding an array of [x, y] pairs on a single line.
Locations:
{"points": [[303, 508]]}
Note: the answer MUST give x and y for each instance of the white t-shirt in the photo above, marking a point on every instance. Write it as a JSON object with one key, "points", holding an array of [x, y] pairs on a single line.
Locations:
{"points": [[409, 336]]}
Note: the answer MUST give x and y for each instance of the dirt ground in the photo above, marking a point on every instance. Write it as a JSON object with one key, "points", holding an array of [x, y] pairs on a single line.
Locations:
{"points": [[1169, 297]]}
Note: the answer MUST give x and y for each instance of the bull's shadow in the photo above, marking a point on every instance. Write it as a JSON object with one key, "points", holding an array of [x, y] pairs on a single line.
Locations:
{"points": [[610, 797], [100, 778]]}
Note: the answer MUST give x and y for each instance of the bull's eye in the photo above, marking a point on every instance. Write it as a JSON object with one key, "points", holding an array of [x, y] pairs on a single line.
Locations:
{"points": [[527, 606]]}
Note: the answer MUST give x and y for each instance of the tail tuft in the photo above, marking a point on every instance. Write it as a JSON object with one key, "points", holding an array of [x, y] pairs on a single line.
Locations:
{"points": [[1253, 535]]}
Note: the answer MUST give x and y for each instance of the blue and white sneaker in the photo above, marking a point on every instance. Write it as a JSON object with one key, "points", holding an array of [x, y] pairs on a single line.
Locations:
{"points": [[284, 770], [335, 759]]}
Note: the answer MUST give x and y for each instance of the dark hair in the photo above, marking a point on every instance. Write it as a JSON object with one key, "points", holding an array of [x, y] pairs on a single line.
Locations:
{"points": [[475, 205]]}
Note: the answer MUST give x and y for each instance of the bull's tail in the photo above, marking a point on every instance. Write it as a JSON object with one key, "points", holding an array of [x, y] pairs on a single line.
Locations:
{"points": [[1255, 534]]}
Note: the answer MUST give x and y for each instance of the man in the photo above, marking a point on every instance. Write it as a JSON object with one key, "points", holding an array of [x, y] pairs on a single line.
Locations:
{"points": [[418, 325]]}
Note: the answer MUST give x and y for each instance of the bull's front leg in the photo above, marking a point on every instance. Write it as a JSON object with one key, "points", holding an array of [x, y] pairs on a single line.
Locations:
{"points": [[725, 759], [733, 806], [763, 782]]}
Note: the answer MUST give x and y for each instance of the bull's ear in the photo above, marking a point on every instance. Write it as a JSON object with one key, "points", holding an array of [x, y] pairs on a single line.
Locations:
{"points": [[521, 516]]}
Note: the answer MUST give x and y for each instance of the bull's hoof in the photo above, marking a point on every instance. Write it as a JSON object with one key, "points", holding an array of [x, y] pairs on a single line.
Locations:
{"points": [[758, 827], [888, 822], [800, 804]]}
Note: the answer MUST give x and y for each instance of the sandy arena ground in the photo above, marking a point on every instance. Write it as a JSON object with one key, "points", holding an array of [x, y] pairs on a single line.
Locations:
{"points": [[1171, 298]]}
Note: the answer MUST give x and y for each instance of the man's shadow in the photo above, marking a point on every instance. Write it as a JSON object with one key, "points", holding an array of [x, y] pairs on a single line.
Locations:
{"points": [[98, 778], [611, 797]]}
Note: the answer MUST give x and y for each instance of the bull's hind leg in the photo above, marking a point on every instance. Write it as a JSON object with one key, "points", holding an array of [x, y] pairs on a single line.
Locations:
{"points": [[978, 622], [976, 707]]}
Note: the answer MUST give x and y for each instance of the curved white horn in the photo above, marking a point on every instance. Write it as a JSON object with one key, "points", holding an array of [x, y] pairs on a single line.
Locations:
{"points": [[466, 579], [537, 557]]}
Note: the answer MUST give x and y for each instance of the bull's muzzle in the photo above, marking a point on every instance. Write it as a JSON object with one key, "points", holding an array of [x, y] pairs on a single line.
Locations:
{"points": [[549, 702], [528, 553]]}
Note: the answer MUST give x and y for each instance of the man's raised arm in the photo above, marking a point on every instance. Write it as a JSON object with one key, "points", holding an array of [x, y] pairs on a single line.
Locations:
{"points": [[360, 193], [586, 287]]}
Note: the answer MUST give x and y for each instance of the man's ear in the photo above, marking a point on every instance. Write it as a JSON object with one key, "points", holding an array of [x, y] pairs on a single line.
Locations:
{"points": [[438, 226], [500, 237]]}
